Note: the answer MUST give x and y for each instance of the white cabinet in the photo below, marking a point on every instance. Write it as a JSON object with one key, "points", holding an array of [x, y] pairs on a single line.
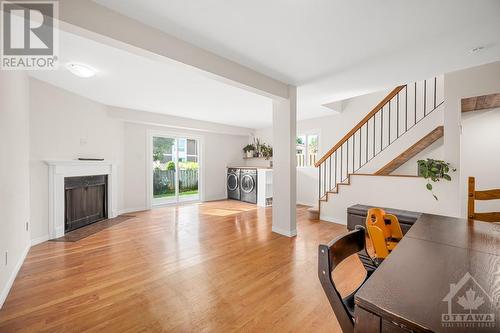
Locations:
{"points": [[264, 187]]}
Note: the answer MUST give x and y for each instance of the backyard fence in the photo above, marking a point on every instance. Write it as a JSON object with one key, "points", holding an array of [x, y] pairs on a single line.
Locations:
{"points": [[164, 180]]}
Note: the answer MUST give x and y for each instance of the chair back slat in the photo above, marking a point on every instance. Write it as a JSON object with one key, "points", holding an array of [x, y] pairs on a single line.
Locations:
{"points": [[329, 257], [474, 195], [345, 246], [487, 217], [488, 194]]}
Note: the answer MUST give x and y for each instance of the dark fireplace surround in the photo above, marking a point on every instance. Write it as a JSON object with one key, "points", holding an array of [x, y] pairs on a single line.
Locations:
{"points": [[85, 201]]}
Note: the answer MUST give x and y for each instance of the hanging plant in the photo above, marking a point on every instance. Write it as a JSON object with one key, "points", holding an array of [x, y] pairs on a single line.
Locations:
{"points": [[434, 170]]}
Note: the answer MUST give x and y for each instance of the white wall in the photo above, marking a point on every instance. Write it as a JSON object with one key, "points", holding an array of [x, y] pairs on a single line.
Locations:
{"points": [[434, 151], [475, 81], [14, 176], [408, 193], [480, 154], [65, 126]]}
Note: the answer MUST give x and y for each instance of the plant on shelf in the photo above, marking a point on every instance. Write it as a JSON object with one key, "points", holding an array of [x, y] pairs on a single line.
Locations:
{"points": [[266, 151], [434, 170], [257, 147], [249, 150]]}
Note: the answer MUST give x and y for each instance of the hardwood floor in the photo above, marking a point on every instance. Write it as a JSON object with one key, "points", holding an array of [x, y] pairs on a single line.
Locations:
{"points": [[212, 267]]}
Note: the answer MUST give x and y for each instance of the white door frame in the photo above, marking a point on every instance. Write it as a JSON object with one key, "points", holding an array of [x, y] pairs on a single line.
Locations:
{"points": [[149, 165]]}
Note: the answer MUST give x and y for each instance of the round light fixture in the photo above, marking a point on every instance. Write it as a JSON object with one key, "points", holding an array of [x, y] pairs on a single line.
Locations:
{"points": [[476, 49], [81, 70]]}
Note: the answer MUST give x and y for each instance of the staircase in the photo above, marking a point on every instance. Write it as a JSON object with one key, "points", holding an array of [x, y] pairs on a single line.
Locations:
{"points": [[404, 157], [390, 120]]}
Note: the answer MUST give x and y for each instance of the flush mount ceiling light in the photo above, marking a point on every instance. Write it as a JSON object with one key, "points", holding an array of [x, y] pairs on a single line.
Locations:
{"points": [[81, 70], [476, 49]]}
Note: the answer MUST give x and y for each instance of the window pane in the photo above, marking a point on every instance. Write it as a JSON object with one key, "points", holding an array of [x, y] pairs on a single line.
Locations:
{"points": [[182, 145], [191, 147], [312, 148], [162, 147], [301, 150], [163, 168]]}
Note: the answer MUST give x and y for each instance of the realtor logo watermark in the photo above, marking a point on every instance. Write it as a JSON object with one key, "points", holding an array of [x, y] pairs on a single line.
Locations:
{"points": [[30, 38], [469, 305]]}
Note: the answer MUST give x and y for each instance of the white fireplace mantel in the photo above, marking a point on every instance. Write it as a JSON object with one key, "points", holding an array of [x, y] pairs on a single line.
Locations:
{"points": [[58, 170]]}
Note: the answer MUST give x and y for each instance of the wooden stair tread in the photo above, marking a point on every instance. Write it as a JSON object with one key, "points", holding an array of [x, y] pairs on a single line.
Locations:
{"points": [[313, 213], [423, 143]]}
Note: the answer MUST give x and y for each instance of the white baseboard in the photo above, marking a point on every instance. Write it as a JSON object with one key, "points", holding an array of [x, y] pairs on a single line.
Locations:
{"points": [[214, 199], [10, 281], [332, 219], [287, 233], [131, 210], [38, 240]]}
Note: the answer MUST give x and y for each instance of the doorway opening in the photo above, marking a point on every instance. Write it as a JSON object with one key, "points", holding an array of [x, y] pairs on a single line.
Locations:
{"points": [[175, 169]]}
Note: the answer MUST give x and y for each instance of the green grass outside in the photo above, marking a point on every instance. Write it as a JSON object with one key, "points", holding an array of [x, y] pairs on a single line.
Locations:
{"points": [[171, 194]]}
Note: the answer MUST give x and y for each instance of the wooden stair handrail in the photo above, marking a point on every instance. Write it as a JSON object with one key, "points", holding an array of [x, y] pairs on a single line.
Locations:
{"points": [[363, 121]]}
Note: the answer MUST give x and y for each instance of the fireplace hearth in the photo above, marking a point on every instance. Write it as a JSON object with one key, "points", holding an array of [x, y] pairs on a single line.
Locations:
{"points": [[85, 201]]}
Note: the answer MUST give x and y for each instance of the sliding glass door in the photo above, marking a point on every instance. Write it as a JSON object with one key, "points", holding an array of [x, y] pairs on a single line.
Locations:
{"points": [[175, 169]]}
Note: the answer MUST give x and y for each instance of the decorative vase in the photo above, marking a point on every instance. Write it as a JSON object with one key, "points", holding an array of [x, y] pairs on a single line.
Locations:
{"points": [[249, 154]]}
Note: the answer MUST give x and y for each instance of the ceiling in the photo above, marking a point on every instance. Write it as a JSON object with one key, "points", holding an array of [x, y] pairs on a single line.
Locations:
{"points": [[332, 49], [131, 81]]}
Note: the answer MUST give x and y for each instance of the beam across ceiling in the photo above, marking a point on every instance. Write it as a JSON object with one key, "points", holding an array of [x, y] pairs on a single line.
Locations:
{"points": [[481, 102], [95, 21]]}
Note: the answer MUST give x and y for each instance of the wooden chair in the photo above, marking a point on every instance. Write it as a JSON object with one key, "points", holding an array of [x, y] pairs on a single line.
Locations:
{"points": [[384, 230], [481, 195], [329, 257]]}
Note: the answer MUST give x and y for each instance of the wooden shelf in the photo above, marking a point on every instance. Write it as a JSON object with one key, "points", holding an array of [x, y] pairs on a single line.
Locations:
{"points": [[257, 158]]}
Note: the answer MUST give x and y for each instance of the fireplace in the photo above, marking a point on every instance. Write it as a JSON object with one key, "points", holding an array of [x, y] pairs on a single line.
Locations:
{"points": [[85, 201], [59, 171]]}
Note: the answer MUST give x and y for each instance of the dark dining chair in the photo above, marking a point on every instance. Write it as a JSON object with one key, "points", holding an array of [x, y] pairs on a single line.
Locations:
{"points": [[329, 257]]}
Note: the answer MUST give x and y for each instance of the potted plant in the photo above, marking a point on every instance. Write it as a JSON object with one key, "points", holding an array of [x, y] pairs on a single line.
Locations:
{"points": [[266, 151], [434, 170], [249, 150], [257, 147]]}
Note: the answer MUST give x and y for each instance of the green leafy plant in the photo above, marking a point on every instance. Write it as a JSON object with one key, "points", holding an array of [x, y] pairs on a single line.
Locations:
{"points": [[434, 170], [161, 147], [188, 165], [248, 148], [170, 165], [266, 151], [257, 147]]}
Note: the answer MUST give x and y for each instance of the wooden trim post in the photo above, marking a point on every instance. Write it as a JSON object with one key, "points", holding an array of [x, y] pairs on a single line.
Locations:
{"points": [[471, 197]]}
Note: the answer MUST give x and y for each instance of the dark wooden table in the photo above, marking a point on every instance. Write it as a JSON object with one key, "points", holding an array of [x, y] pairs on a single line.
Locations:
{"points": [[444, 276]]}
